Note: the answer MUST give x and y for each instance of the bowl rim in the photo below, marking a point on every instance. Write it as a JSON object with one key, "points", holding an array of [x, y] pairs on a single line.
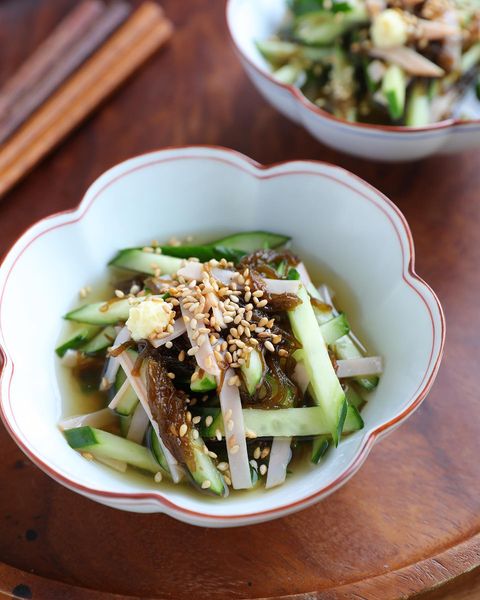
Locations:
{"points": [[260, 171], [300, 97]]}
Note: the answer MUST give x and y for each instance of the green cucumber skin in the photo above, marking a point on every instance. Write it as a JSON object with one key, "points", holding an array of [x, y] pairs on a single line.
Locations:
{"points": [[286, 422], [249, 241], [206, 384], [394, 88], [334, 329], [205, 469], [103, 340], [328, 392], [253, 372], [103, 444], [319, 447], [133, 259], [129, 402], [157, 450], [92, 314], [76, 340]]}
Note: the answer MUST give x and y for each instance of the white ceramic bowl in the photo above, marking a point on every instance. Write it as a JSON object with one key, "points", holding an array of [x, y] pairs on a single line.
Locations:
{"points": [[251, 20], [356, 235]]}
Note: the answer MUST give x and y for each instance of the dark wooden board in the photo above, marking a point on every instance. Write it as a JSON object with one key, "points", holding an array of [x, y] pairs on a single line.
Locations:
{"points": [[409, 521]]}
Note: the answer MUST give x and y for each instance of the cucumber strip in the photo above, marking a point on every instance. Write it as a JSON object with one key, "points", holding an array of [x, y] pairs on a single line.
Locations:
{"points": [[291, 74], [324, 27], [207, 383], [127, 403], [252, 371], [249, 241], [418, 107], [470, 58], [334, 329], [277, 52], [82, 334], [101, 341], [345, 349], [107, 445], [394, 86], [133, 259], [353, 397], [328, 393], [319, 446], [101, 313], [124, 425], [284, 422], [154, 445], [204, 253], [205, 469]]}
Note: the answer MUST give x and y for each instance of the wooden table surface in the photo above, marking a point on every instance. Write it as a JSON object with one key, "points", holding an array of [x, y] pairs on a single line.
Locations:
{"points": [[408, 523]]}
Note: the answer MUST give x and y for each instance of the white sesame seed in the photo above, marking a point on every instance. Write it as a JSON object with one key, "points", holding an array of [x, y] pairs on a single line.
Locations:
{"points": [[171, 375], [256, 453], [206, 484], [183, 429], [196, 420], [263, 469], [269, 346], [193, 351], [168, 345], [222, 466], [195, 434], [218, 435], [208, 420], [158, 477], [235, 449]]}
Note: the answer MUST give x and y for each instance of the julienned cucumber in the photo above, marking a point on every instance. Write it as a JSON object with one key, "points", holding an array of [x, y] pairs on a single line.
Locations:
{"points": [[107, 445], [353, 398], [345, 348], [319, 446], [334, 329], [252, 371], [156, 448], [207, 383], [204, 468], [81, 335], [101, 313], [133, 259], [129, 400], [328, 393], [287, 422], [101, 341], [249, 241], [394, 86]]}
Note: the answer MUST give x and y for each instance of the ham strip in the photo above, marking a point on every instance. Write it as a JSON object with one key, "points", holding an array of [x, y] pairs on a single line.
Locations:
{"points": [[412, 62]]}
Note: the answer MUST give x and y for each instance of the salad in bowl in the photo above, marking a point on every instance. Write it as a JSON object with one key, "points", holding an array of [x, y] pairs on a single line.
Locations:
{"points": [[218, 365], [393, 62], [138, 396]]}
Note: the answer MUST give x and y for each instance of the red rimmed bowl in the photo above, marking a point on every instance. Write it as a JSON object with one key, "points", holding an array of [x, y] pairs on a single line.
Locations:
{"points": [[251, 20], [354, 235]]}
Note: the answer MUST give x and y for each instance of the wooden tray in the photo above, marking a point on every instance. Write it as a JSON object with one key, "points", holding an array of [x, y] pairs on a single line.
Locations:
{"points": [[409, 521]]}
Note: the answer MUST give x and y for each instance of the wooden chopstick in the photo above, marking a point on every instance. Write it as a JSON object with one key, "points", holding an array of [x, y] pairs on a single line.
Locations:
{"points": [[143, 33], [66, 63], [67, 32]]}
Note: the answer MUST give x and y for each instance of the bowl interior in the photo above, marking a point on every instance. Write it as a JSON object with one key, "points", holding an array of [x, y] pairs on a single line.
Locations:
{"points": [[344, 228]]}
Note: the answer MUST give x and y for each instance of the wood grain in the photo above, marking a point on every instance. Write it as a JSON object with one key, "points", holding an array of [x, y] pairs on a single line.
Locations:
{"points": [[115, 61], [407, 525]]}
